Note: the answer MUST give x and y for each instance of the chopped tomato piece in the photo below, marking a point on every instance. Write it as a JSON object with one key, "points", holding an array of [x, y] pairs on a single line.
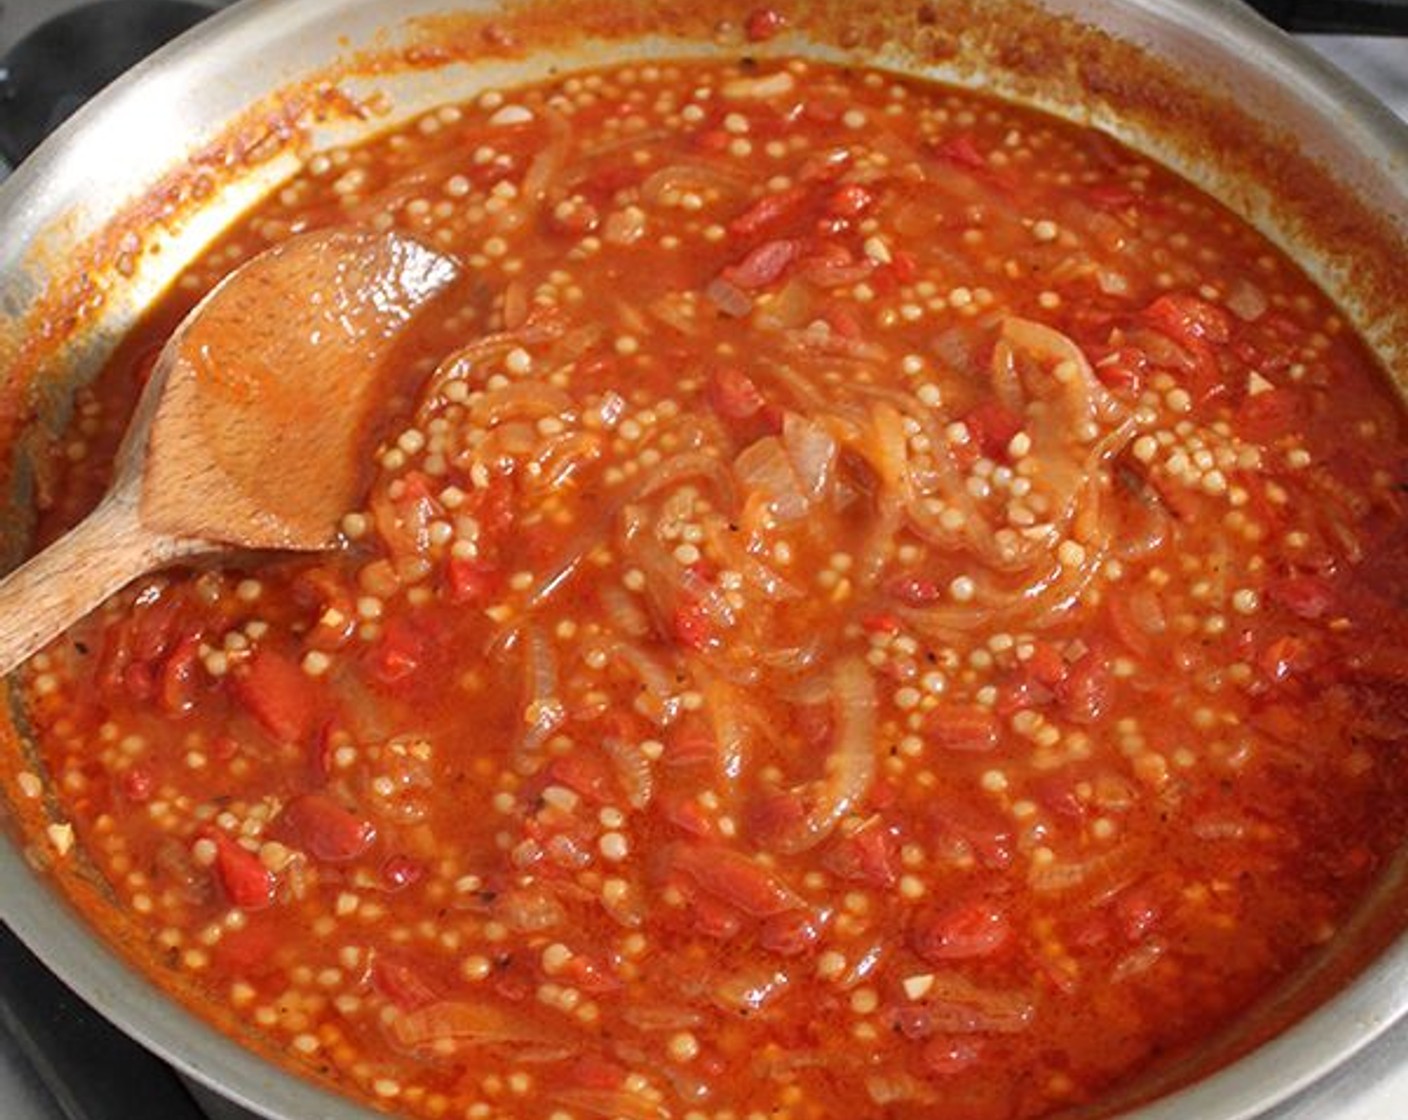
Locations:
{"points": [[694, 629], [790, 934], [866, 856], [1283, 657], [1124, 370], [1112, 196], [851, 200], [399, 871], [687, 815], [915, 591], [762, 24], [402, 982], [734, 878], [961, 727], [972, 928], [961, 150], [734, 395], [1137, 911], [764, 265], [1308, 597], [768, 211], [965, 829], [1183, 317], [471, 581], [993, 426], [325, 829], [1058, 794], [1046, 664], [713, 918], [586, 775], [947, 1056], [1265, 416], [843, 323], [279, 694], [137, 783], [399, 651], [581, 971], [247, 950], [247, 883], [1085, 692], [1195, 325], [592, 1071], [180, 681], [881, 622], [835, 266]]}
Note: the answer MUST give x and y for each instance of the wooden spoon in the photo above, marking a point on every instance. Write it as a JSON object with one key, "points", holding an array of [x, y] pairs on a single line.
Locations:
{"points": [[253, 429]]}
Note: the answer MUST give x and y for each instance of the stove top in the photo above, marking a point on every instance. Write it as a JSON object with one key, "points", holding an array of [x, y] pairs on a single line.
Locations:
{"points": [[59, 1060]]}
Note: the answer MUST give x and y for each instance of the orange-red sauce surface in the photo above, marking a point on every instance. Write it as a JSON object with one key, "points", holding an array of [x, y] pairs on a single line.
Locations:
{"points": [[885, 605]]}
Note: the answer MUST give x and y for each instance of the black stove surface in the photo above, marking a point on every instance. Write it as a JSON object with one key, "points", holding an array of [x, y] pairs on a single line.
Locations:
{"points": [[64, 1061], [63, 62]]}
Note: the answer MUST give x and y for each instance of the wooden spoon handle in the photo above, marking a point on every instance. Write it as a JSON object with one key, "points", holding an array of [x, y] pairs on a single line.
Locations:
{"points": [[54, 589]]}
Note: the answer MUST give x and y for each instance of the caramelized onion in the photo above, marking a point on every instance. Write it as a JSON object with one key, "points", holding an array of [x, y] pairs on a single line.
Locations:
{"points": [[850, 767], [956, 1005], [543, 710], [451, 1025], [729, 298]]}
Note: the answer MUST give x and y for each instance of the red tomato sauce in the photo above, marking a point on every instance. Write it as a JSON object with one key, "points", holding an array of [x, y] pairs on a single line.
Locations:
{"points": [[885, 604]]}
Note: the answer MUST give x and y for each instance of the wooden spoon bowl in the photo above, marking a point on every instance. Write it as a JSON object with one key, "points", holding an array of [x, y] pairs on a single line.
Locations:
{"points": [[252, 431]]}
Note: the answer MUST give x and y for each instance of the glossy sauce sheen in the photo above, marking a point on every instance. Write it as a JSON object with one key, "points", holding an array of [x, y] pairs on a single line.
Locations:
{"points": [[886, 605]]}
